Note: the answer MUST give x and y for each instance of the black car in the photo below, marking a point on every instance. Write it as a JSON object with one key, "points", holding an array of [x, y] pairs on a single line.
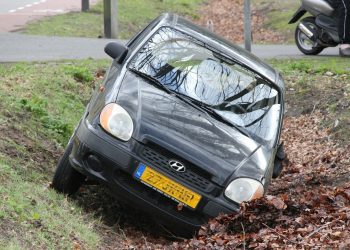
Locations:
{"points": [[186, 126]]}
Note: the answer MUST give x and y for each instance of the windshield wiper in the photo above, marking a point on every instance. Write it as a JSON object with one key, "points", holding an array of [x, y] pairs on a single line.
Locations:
{"points": [[153, 80], [224, 58], [191, 101], [204, 107]]}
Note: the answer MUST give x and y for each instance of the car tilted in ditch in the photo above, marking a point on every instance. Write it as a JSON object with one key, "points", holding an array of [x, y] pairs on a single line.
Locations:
{"points": [[185, 126]]}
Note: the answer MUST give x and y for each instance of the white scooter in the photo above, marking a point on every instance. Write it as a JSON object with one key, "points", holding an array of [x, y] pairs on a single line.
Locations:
{"points": [[318, 31]]}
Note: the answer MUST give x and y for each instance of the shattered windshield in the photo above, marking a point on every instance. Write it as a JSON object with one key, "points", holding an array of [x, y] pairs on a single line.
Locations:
{"points": [[185, 65]]}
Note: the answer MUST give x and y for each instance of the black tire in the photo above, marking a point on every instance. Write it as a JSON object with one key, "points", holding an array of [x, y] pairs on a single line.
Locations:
{"points": [[279, 159], [300, 38], [277, 170], [67, 180]]}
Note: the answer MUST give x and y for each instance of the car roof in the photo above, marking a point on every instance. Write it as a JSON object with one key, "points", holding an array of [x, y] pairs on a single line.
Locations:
{"points": [[222, 45]]}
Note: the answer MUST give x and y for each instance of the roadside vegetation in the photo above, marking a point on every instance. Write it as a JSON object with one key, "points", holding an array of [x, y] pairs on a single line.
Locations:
{"points": [[270, 19], [132, 16], [42, 102], [323, 85], [40, 105], [278, 14]]}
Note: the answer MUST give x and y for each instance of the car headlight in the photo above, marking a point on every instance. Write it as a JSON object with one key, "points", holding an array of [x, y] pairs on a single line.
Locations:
{"points": [[116, 121], [244, 189]]}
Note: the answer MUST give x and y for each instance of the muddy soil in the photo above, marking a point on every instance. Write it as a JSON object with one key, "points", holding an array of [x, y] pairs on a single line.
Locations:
{"points": [[25, 149]]}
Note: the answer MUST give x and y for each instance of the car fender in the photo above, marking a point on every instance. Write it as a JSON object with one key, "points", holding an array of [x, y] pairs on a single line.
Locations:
{"points": [[257, 166]]}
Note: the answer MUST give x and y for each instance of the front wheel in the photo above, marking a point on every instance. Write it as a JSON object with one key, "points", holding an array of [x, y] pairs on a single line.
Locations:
{"points": [[67, 180], [279, 160], [304, 43]]}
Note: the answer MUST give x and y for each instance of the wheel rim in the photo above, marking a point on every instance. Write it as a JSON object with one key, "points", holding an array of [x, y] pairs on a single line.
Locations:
{"points": [[304, 41]]}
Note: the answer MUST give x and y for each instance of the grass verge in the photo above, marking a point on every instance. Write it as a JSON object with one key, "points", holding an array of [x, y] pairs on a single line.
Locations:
{"points": [[278, 15], [40, 105], [133, 15], [35, 217], [319, 84]]}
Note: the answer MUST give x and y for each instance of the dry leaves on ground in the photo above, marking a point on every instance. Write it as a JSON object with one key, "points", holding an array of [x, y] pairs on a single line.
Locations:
{"points": [[227, 19], [308, 207]]}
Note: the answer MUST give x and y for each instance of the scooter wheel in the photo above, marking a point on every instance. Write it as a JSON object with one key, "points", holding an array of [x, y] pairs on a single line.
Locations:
{"points": [[304, 43]]}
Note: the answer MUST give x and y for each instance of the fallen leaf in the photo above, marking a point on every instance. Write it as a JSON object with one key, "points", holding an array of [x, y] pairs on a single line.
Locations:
{"points": [[276, 202]]}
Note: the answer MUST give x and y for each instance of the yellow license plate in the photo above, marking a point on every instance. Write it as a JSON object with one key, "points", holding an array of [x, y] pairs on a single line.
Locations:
{"points": [[167, 186]]}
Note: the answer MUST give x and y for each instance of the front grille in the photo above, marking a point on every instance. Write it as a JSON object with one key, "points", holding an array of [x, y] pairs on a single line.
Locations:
{"points": [[190, 176]]}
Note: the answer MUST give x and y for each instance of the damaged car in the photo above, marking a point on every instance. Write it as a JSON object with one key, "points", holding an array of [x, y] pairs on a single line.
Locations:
{"points": [[184, 127]]}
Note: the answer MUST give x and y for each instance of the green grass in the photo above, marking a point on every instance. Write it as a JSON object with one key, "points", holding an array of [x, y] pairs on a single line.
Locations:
{"points": [[319, 84], [337, 66], [40, 218], [40, 105], [278, 14], [132, 17], [50, 92]]}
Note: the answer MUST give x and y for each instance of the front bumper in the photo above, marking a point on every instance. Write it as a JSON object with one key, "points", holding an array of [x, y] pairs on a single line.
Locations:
{"points": [[113, 162]]}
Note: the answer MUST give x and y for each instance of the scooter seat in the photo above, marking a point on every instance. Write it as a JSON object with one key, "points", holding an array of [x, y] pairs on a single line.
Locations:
{"points": [[318, 7]]}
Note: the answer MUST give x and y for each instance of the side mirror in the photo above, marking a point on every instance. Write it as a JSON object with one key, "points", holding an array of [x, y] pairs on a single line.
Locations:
{"points": [[117, 51]]}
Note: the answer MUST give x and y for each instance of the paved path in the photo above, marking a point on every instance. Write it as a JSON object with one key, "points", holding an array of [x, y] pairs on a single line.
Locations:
{"points": [[16, 47], [14, 14], [286, 51], [10, 6]]}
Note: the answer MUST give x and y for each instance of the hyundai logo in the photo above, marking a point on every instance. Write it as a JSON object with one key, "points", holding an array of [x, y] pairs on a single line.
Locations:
{"points": [[177, 166]]}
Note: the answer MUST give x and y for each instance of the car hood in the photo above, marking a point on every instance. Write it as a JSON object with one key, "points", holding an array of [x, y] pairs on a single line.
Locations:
{"points": [[178, 127]]}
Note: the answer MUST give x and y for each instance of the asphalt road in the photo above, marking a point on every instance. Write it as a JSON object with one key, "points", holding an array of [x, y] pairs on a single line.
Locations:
{"points": [[10, 6], [288, 51], [14, 14], [16, 47]]}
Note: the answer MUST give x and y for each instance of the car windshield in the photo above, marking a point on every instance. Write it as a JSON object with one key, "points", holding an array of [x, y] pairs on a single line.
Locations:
{"points": [[188, 67]]}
